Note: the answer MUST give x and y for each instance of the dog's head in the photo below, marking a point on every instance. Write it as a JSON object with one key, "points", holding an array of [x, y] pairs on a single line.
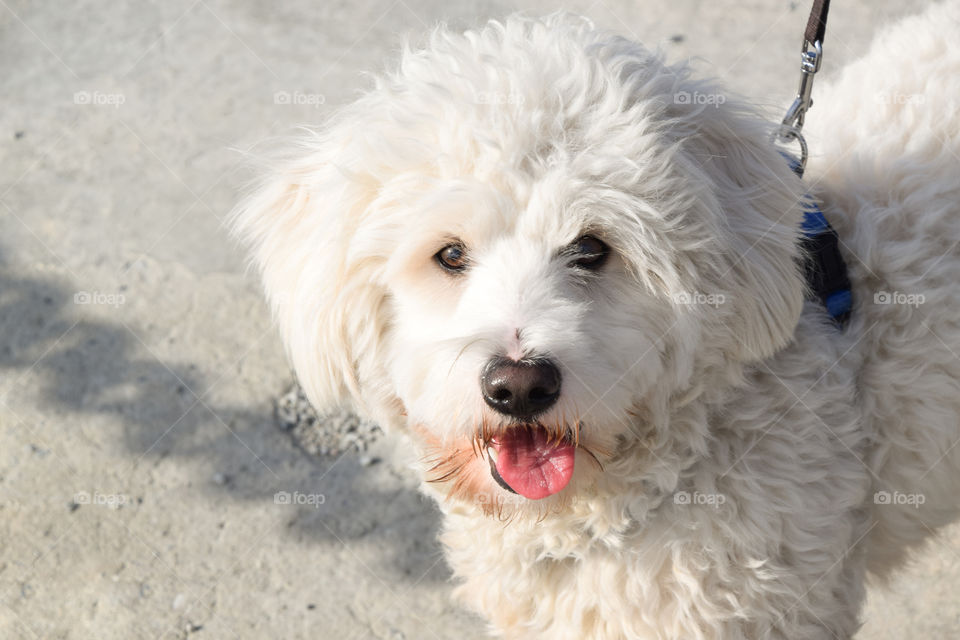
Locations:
{"points": [[528, 247]]}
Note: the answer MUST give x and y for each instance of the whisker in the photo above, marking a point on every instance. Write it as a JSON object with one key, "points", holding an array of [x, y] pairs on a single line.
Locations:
{"points": [[595, 459], [445, 477], [462, 351]]}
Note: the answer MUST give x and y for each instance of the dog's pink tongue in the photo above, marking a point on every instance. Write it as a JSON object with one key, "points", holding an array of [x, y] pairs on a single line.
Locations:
{"points": [[531, 465]]}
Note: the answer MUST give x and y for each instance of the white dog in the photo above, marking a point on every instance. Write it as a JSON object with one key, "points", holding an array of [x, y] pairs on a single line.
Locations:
{"points": [[581, 297]]}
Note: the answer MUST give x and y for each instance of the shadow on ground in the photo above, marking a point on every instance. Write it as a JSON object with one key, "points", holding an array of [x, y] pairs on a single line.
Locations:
{"points": [[77, 370]]}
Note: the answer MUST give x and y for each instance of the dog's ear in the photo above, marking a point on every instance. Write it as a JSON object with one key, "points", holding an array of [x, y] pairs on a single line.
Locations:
{"points": [[760, 205], [330, 309]]}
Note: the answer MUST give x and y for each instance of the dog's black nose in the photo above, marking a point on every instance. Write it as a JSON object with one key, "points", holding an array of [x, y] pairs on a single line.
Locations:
{"points": [[520, 389]]}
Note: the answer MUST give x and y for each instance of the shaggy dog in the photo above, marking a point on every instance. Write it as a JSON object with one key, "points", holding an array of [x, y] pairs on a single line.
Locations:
{"points": [[570, 273]]}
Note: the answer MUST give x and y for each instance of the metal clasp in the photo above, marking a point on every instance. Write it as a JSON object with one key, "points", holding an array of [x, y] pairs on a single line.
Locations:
{"points": [[811, 56]]}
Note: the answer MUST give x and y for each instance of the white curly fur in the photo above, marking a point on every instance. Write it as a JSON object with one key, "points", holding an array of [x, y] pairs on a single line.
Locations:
{"points": [[730, 452]]}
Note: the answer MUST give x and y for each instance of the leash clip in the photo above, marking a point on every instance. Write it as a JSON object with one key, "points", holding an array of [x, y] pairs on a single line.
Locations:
{"points": [[811, 56]]}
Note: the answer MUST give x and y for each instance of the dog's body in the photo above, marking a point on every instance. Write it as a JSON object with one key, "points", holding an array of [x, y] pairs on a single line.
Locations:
{"points": [[534, 196]]}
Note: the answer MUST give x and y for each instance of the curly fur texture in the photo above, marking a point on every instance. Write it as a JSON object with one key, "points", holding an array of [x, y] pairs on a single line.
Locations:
{"points": [[733, 447]]}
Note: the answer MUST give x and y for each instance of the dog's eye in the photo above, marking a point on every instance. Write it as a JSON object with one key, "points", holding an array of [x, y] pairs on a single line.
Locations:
{"points": [[452, 257], [590, 252]]}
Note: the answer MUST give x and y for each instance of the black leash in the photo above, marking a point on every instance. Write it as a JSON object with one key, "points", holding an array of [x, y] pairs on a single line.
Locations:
{"points": [[817, 23]]}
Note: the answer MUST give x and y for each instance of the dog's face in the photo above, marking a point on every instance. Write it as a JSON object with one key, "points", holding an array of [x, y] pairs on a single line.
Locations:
{"points": [[526, 248], [519, 327]]}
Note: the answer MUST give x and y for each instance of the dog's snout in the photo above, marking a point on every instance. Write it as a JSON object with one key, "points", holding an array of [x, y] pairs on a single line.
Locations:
{"points": [[521, 389]]}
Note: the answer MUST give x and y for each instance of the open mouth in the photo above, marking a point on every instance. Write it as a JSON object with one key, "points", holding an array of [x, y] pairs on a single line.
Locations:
{"points": [[529, 461]]}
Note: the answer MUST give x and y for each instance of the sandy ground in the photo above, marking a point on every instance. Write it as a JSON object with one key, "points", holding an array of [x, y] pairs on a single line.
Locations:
{"points": [[140, 456]]}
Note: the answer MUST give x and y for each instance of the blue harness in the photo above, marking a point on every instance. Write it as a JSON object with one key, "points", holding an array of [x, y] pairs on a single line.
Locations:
{"points": [[823, 265]]}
